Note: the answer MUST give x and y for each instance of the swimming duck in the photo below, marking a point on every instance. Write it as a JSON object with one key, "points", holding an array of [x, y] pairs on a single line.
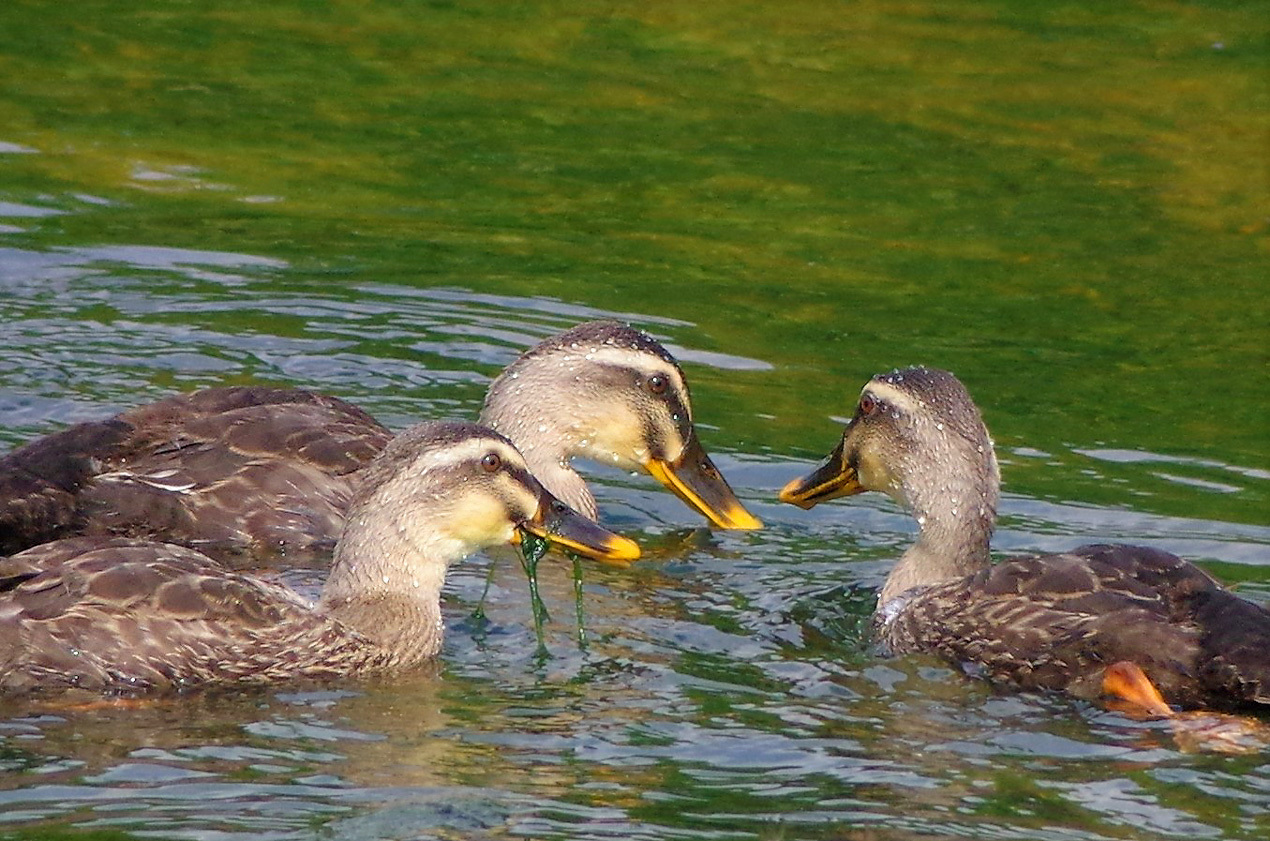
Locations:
{"points": [[127, 614], [258, 471], [1052, 622]]}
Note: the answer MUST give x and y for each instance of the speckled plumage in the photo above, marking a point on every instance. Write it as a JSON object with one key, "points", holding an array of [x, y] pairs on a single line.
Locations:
{"points": [[1046, 622], [1056, 621], [252, 472], [231, 471], [128, 614]]}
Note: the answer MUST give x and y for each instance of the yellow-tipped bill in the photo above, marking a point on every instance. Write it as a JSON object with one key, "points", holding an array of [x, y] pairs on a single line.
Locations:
{"points": [[832, 479], [561, 526], [694, 479], [1126, 680]]}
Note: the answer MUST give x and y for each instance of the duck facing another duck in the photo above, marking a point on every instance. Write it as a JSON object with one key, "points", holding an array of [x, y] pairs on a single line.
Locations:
{"points": [[127, 614], [259, 471], [1048, 622], [615, 395]]}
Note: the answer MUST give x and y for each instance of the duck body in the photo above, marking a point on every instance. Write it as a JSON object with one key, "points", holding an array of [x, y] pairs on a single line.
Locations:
{"points": [[1056, 622], [232, 471], [1048, 622], [247, 473], [126, 614]]}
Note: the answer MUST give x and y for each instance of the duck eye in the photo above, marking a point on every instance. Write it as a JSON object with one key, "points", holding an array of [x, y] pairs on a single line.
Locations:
{"points": [[868, 404], [491, 462], [657, 384]]}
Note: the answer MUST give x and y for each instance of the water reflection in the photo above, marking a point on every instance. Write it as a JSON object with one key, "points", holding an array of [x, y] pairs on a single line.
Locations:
{"points": [[151, 320], [727, 687], [1052, 201], [677, 704]]}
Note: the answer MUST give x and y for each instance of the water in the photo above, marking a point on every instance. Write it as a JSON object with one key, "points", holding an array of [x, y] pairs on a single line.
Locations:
{"points": [[388, 203]]}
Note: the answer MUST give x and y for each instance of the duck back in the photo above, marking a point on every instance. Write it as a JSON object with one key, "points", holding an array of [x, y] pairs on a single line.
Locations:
{"points": [[238, 471], [122, 614], [1057, 621]]}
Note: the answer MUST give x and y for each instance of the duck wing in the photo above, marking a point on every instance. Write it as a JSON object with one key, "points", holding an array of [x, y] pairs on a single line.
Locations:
{"points": [[232, 471], [129, 614]]}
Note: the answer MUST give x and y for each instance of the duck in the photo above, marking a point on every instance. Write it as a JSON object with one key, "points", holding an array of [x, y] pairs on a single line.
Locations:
{"points": [[615, 395], [247, 474], [129, 615], [1072, 622]]}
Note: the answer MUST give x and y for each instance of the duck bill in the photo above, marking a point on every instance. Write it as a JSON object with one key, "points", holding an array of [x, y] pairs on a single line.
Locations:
{"points": [[832, 479], [693, 478], [566, 529]]}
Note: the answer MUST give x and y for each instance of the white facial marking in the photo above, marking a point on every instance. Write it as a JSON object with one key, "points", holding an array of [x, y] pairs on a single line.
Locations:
{"points": [[646, 364], [888, 393], [470, 450]]}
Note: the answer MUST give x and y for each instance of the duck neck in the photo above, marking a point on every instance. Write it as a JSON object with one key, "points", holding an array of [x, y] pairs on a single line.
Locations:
{"points": [[954, 531], [385, 583]]}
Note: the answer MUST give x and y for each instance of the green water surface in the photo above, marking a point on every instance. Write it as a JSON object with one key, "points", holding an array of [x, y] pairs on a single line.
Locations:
{"points": [[1067, 204]]}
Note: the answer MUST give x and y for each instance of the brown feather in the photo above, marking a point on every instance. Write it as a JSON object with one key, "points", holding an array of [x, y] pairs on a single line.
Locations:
{"points": [[1056, 621], [252, 472], [240, 470], [119, 613], [132, 614]]}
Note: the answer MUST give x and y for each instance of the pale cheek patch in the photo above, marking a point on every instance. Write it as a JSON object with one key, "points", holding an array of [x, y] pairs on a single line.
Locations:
{"points": [[668, 433], [479, 520], [873, 474], [622, 436]]}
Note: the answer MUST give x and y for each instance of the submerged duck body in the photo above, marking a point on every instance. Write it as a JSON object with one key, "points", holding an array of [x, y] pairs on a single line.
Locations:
{"points": [[130, 614], [256, 471], [1053, 622]]}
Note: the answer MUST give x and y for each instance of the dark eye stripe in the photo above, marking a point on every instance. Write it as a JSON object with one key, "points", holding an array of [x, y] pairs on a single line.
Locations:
{"points": [[521, 475]]}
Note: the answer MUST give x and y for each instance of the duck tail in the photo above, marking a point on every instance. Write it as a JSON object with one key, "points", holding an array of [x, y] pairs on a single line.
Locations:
{"points": [[1235, 660], [40, 482]]}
